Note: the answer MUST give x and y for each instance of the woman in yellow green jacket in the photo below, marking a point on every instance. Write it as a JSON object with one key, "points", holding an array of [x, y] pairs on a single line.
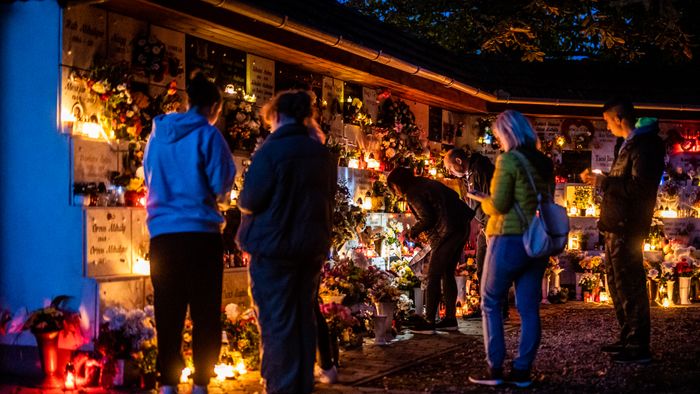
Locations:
{"points": [[506, 259]]}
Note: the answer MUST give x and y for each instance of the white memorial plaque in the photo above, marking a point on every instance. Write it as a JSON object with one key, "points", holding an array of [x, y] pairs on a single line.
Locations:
{"points": [[369, 100], [235, 287], [78, 103], [84, 36], [260, 78], [421, 112], [93, 161], [603, 148], [140, 239], [108, 241], [127, 293]]}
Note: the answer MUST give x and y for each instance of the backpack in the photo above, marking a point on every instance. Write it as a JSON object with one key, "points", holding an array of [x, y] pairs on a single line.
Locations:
{"points": [[548, 231]]}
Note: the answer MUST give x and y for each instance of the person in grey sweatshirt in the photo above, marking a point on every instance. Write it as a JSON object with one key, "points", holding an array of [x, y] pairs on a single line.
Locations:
{"points": [[189, 173]]}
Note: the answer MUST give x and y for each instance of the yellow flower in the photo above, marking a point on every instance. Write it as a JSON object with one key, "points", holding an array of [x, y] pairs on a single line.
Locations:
{"points": [[135, 184]]}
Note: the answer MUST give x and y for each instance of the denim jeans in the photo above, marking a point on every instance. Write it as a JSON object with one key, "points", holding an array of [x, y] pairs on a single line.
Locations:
{"points": [[507, 263], [285, 295]]}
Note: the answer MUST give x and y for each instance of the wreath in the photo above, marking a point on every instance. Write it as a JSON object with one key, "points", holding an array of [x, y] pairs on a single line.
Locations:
{"points": [[151, 57], [582, 139], [243, 126], [400, 143]]}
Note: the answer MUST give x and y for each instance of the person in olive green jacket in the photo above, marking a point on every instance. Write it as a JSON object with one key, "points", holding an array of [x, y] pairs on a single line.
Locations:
{"points": [[506, 259]]}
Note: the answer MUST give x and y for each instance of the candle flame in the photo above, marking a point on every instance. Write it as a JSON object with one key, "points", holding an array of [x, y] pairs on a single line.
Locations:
{"points": [[224, 371], [185, 375], [70, 381]]}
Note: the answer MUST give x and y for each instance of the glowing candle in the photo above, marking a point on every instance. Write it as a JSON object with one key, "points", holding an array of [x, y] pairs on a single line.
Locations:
{"points": [[223, 371], [185, 375], [141, 267]]}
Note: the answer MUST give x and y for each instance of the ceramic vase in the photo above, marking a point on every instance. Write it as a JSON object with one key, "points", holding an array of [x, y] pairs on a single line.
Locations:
{"points": [[419, 300], [683, 289]]}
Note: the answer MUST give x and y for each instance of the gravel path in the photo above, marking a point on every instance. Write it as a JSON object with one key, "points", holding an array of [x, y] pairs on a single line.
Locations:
{"points": [[569, 360]]}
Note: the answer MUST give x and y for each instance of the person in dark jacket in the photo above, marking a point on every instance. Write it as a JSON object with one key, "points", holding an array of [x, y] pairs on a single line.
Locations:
{"points": [[475, 171], [629, 196], [445, 218], [189, 172], [287, 210]]}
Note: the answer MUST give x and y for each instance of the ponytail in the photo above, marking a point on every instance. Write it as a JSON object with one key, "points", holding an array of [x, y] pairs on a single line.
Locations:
{"points": [[295, 104]]}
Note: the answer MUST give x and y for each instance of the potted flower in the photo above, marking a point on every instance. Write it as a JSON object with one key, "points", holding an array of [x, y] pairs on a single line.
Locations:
{"points": [[242, 333], [341, 323], [684, 271], [588, 283], [127, 343], [46, 323]]}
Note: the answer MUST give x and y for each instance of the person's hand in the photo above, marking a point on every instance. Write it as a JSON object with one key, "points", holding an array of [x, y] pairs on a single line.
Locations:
{"points": [[477, 195], [593, 178]]}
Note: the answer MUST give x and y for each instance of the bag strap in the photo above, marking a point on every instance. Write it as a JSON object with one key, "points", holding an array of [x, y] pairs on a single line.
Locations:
{"points": [[523, 161]]}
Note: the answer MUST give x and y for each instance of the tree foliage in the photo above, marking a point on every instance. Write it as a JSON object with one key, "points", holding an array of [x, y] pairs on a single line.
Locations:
{"points": [[535, 30]]}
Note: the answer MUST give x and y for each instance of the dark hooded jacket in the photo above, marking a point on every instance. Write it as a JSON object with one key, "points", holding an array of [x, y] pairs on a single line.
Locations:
{"points": [[439, 210], [629, 190], [287, 198]]}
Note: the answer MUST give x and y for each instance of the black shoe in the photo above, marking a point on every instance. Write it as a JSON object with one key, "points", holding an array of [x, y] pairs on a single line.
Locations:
{"points": [[614, 348], [519, 378], [488, 377], [423, 327], [447, 324], [632, 356]]}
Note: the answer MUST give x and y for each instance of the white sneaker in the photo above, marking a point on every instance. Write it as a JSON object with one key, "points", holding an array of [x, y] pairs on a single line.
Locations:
{"points": [[167, 390], [197, 389], [327, 376]]}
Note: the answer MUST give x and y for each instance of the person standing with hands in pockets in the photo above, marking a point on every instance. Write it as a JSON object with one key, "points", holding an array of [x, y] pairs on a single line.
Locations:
{"points": [[629, 196], [287, 213]]}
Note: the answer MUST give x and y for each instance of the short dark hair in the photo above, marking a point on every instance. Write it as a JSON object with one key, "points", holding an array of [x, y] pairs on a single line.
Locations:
{"points": [[401, 177], [457, 153], [623, 106], [202, 92]]}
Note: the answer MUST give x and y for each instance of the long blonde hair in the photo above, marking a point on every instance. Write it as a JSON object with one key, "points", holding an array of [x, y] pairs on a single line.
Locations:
{"points": [[514, 130]]}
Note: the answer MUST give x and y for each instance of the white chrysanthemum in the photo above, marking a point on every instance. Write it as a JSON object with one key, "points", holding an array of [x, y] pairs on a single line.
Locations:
{"points": [[232, 311]]}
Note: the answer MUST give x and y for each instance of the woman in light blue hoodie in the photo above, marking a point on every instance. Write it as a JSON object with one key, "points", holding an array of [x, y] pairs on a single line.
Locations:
{"points": [[189, 173]]}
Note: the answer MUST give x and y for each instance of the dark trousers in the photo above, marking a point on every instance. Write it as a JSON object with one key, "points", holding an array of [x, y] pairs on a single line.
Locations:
{"points": [[325, 354], [285, 295], [187, 269], [444, 257], [627, 280]]}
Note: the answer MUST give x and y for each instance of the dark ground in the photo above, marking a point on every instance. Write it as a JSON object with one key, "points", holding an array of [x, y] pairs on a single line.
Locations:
{"points": [[569, 360]]}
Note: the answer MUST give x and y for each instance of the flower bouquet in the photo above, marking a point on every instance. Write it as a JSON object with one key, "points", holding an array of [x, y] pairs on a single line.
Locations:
{"points": [[589, 281], [126, 335], [592, 264], [243, 126], [405, 280], [400, 143], [242, 333]]}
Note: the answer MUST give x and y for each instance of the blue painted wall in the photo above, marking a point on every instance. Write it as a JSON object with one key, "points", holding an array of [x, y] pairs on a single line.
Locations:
{"points": [[40, 232]]}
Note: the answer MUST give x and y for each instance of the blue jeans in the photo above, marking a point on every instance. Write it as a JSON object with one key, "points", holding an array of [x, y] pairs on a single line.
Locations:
{"points": [[285, 294], [507, 263]]}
